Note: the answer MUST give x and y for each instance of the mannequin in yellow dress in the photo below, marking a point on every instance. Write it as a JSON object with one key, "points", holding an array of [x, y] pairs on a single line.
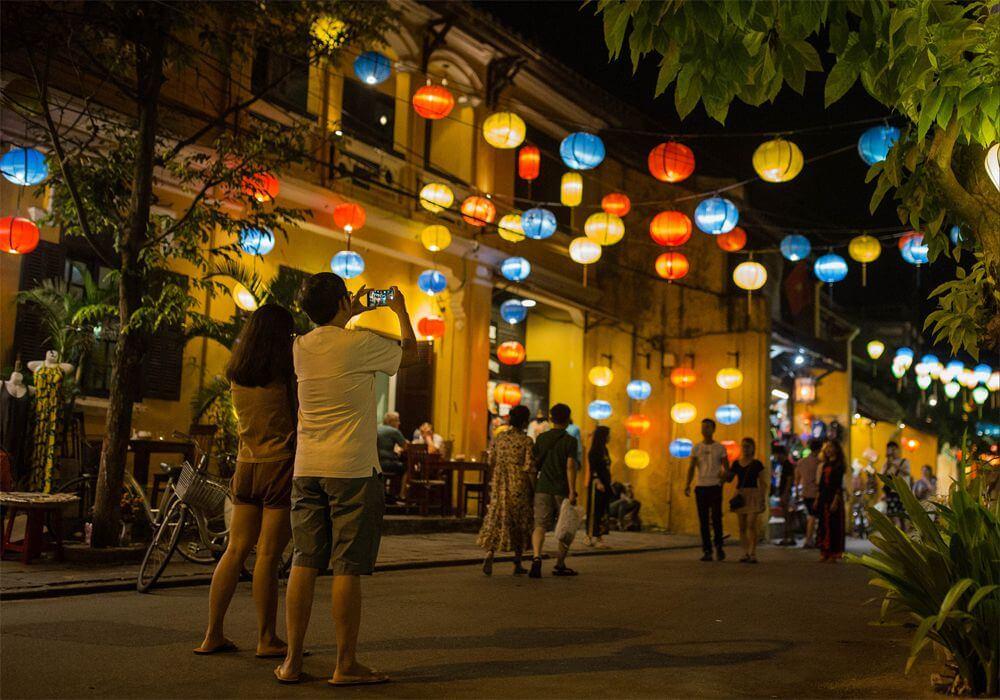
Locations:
{"points": [[49, 375]]}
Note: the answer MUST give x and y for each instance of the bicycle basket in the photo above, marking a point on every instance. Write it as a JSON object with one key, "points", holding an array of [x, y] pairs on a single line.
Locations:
{"points": [[201, 491]]}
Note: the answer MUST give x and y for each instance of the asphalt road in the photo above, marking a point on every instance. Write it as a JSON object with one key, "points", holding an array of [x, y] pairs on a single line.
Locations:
{"points": [[640, 625]]}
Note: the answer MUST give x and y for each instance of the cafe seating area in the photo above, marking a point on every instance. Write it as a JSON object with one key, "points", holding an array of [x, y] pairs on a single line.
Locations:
{"points": [[436, 483]]}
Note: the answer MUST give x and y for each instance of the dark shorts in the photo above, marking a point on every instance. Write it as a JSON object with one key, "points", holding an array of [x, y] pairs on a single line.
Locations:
{"points": [[810, 504], [547, 507], [263, 484], [337, 522]]}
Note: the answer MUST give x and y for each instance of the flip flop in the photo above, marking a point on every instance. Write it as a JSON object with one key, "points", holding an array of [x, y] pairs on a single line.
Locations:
{"points": [[565, 571], [280, 655], [373, 679], [288, 681], [224, 648]]}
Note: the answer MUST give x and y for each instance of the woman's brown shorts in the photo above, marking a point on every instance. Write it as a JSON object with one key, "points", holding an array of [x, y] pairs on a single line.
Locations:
{"points": [[263, 484]]}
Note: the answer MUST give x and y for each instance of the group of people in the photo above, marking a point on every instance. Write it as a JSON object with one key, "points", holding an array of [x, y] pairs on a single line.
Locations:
{"points": [[391, 447]]}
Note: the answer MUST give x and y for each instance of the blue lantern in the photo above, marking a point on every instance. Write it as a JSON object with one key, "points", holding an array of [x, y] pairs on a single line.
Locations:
{"points": [[681, 448], [908, 353], [599, 410], [372, 68], [956, 234], [582, 151], [953, 367], [874, 144], [982, 373], [513, 311], [515, 269], [256, 241], [716, 215], [347, 264], [538, 223], [639, 389], [830, 268], [728, 414], [795, 247], [914, 250], [930, 360], [431, 282], [24, 166]]}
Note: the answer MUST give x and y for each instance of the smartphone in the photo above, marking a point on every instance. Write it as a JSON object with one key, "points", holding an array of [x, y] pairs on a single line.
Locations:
{"points": [[379, 297]]}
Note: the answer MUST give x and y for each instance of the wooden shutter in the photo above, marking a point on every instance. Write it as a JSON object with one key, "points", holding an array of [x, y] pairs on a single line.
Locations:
{"points": [[163, 364], [48, 261], [415, 391]]}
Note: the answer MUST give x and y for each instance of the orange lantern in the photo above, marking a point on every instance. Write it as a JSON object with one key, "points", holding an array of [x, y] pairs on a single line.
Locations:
{"points": [[672, 266], [616, 203], [529, 160], [349, 216], [732, 450], [637, 424], [433, 102], [911, 444], [261, 186], [431, 327], [478, 211], [671, 162], [683, 377], [18, 236], [511, 353], [733, 240], [670, 228], [507, 394]]}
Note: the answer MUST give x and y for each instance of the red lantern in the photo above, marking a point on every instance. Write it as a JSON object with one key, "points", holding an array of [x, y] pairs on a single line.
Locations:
{"points": [[507, 394], [671, 162], [672, 266], [733, 240], [732, 450], [433, 102], [431, 327], [511, 353], [683, 377], [261, 186], [17, 236], [637, 424], [616, 203], [478, 211], [349, 216], [670, 228], [529, 160]]}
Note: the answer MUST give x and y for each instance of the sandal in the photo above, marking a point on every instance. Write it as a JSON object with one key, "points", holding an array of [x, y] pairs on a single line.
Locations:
{"points": [[373, 679], [563, 571], [227, 647]]}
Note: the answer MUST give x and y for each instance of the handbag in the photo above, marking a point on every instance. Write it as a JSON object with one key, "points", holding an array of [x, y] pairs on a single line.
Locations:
{"points": [[737, 502]]}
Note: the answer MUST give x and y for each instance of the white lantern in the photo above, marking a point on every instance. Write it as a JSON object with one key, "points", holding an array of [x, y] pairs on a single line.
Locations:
{"points": [[584, 251], [993, 164]]}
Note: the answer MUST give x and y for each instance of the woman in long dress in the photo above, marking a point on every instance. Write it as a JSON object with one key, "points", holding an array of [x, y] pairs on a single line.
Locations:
{"points": [[599, 487], [509, 519], [830, 502]]}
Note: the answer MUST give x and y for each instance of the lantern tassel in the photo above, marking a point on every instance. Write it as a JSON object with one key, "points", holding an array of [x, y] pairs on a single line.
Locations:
{"points": [[864, 274]]}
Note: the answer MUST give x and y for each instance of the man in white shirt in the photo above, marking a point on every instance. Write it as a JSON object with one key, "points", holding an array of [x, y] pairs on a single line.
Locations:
{"points": [[338, 495], [425, 435], [709, 461]]}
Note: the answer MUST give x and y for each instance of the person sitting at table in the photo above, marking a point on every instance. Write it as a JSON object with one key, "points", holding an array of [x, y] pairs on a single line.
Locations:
{"points": [[390, 445], [425, 435], [624, 508]]}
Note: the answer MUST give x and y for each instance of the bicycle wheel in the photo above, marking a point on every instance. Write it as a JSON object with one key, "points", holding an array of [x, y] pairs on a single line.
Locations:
{"points": [[284, 563], [195, 549], [161, 547]]}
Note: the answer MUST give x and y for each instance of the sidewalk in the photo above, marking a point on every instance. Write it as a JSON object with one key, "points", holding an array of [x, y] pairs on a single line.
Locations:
{"points": [[398, 552]]}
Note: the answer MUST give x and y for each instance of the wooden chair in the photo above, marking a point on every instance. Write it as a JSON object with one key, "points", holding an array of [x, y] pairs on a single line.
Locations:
{"points": [[478, 491], [421, 489]]}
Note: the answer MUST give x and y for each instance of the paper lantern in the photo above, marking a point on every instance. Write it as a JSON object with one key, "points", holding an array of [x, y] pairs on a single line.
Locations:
{"points": [[435, 237], [967, 378], [599, 410], [982, 373], [732, 450], [671, 266], [637, 424], [18, 236], [513, 311], [538, 223], [805, 389], [875, 349], [600, 375], [671, 162], [504, 130], [372, 68], [951, 389], [874, 144], [637, 459], [582, 150], [994, 383], [571, 189], [980, 394], [436, 197], [864, 249], [904, 358], [683, 412], [732, 241], [431, 282], [795, 247], [349, 216], [431, 327], [716, 215], [777, 160], [670, 228], [913, 249], [507, 394], [639, 389], [681, 448], [728, 414], [584, 251], [616, 203], [510, 229], [256, 241], [951, 370], [992, 164], [478, 211], [529, 160], [729, 378], [924, 381], [683, 377], [511, 353], [244, 298], [347, 264], [749, 275], [24, 166], [515, 269], [603, 228], [911, 444], [830, 268], [263, 187], [433, 102]]}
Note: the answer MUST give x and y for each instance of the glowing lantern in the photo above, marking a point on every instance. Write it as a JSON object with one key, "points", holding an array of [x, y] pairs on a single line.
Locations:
{"points": [[433, 102], [994, 383], [733, 240], [349, 216], [538, 223], [504, 130], [951, 389], [507, 394], [671, 162], [582, 151], [864, 249], [261, 186], [716, 215], [599, 410], [898, 371], [967, 378], [924, 381], [670, 228], [992, 164], [571, 189], [372, 68], [431, 282], [18, 236], [683, 412], [777, 160], [729, 378], [637, 459], [511, 353], [24, 166], [256, 241], [952, 370], [805, 389], [795, 247], [875, 349], [903, 358], [683, 377], [913, 249], [600, 375], [603, 228], [749, 275], [982, 373], [911, 444], [510, 229], [513, 311], [616, 203], [637, 424], [347, 264], [478, 211], [529, 160], [980, 394], [956, 234], [431, 327], [874, 144], [515, 269], [732, 450], [436, 197], [830, 268], [435, 237], [672, 266], [728, 414], [244, 298], [681, 448], [584, 251], [639, 389]]}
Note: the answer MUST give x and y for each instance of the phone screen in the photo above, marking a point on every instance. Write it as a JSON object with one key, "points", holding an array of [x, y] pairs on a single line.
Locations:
{"points": [[379, 297]]}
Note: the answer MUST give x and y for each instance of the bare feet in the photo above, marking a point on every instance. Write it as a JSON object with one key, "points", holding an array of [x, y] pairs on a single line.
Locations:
{"points": [[212, 645], [357, 674]]}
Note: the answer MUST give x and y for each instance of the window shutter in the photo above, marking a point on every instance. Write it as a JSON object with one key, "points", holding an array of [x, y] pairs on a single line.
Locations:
{"points": [[415, 390], [48, 261], [163, 364]]}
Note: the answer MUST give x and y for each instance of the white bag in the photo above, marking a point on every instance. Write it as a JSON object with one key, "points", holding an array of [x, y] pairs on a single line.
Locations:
{"points": [[569, 522]]}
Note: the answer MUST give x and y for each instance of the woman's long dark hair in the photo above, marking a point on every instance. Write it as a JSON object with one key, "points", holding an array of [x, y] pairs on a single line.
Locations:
{"points": [[599, 443], [263, 352]]}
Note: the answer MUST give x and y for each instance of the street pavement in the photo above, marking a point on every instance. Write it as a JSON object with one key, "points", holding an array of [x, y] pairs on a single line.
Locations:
{"points": [[653, 624]]}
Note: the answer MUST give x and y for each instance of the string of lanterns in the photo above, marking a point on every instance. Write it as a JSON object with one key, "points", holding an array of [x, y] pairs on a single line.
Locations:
{"points": [[980, 381]]}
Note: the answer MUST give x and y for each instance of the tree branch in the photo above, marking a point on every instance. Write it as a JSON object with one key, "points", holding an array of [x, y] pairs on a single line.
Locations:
{"points": [[940, 157]]}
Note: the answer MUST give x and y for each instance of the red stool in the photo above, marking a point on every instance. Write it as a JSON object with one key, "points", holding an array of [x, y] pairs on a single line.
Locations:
{"points": [[43, 510]]}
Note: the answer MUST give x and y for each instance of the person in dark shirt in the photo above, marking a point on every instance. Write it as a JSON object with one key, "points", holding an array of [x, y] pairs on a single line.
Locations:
{"points": [[554, 453], [786, 483], [750, 479], [599, 487], [390, 441]]}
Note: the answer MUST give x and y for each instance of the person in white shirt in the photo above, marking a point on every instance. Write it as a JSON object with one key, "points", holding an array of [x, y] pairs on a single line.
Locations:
{"points": [[709, 461], [425, 435], [338, 495]]}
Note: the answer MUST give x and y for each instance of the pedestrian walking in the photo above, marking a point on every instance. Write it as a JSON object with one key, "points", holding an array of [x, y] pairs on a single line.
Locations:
{"points": [[709, 462], [598, 487], [786, 492], [806, 473], [751, 497], [830, 501], [555, 457]]}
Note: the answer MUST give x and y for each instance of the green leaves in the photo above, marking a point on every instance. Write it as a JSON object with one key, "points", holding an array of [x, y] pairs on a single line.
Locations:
{"points": [[964, 307]]}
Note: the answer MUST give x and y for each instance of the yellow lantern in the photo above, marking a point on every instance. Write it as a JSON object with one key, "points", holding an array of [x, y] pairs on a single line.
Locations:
{"points": [[864, 249], [584, 251], [509, 228], [436, 197], [604, 229], [777, 160], [729, 378], [750, 275], [683, 412], [601, 375], [244, 298], [571, 192], [504, 130], [435, 237], [875, 349], [637, 459]]}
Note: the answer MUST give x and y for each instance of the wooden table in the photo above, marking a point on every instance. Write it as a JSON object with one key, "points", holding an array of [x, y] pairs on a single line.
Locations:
{"points": [[42, 510], [456, 469], [142, 448]]}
